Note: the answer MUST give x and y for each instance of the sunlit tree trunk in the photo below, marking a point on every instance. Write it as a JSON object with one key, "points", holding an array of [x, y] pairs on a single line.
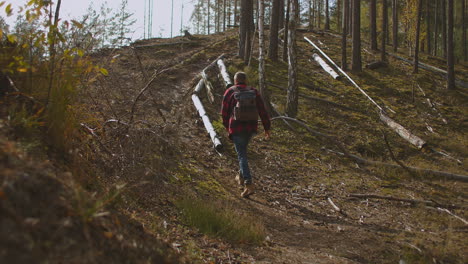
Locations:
{"points": [[344, 63], [235, 13], [418, 30], [261, 56], [310, 15], [356, 64], [383, 55], [292, 96], [450, 48], [286, 31]]}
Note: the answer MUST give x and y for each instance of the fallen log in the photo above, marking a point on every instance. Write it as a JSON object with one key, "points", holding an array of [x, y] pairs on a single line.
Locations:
{"points": [[325, 66], [344, 73], [452, 214], [206, 120], [376, 64], [199, 87], [441, 174], [359, 160], [411, 201], [213, 63], [403, 132], [319, 89], [313, 98], [224, 73], [431, 69], [168, 44], [209, 87]]}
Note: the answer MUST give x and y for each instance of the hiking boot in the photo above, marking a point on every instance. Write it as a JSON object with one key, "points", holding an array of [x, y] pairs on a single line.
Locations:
{"points": [[248, 190], [240, 179]]}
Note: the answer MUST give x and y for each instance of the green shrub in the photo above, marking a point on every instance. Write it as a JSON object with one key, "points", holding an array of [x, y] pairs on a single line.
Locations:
{"points": [[221, 221]]}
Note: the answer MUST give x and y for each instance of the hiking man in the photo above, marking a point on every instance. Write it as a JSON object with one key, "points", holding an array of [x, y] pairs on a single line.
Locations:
{"points": [[240, 110]]}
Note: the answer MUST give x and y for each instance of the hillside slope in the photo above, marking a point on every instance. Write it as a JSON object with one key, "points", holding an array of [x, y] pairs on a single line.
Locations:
{"points": [[141, 131]]}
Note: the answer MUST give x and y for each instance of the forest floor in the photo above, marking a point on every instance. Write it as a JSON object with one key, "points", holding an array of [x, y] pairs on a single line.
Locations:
{"points": [[142, 160]]}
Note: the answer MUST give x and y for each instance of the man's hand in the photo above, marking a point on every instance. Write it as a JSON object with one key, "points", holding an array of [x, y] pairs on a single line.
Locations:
{"points": [[267, 134]]}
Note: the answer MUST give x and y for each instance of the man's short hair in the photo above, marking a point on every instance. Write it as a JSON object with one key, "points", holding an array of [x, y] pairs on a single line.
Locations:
{"points": [[240, 78]]}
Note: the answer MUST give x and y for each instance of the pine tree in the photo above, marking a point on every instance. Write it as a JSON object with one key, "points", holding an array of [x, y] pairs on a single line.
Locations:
{"points": [[450, 48], [356, 64], [274, 27], [292, 96], [373, 24], [344, 64], [418, 30]]}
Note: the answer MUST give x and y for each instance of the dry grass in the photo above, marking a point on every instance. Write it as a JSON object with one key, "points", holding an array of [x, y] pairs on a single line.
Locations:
{"points": [[222, 221]]}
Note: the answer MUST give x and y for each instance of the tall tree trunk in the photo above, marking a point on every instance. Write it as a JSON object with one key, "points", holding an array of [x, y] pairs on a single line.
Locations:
{"points": [[464, 42], [344, 63], [52, 49], [450, 48], [281, 15], [383, 56], [350, 17], [235, 12], [444, 27], [286, 31], [229, 12], [418, 30], [356, 64], [249, 13], [436, 27], [327, 15], [208, 16], [172, 15], [339, 15], [395, 25], [224, 15], [319, 13], [292, 96], [428, 27], [273, 47], [243, 28], [311, 24], [373, 24], [261, 56]]}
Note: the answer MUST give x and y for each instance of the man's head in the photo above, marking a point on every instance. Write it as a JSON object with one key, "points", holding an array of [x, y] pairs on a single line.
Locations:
{"points": [[240, 78]]}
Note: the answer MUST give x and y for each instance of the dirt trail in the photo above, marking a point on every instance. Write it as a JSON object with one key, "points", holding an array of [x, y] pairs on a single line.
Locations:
{"points": [[299, 231]]}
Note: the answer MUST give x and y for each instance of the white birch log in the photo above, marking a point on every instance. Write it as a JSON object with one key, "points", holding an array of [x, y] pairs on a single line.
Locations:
{"points": [[208, 86], [399, 129], [206, 121], [199, 86], [403, 132], [344, 73], [224, 73], [325, 66]]}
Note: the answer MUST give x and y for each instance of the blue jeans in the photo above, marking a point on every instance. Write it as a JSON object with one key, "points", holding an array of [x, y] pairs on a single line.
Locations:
{"points": [[240, 143]]}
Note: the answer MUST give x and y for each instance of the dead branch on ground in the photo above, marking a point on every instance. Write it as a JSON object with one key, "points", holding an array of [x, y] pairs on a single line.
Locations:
{"points": [[359, 160]]}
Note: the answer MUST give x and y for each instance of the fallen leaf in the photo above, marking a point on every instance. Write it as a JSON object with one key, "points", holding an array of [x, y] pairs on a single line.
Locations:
{"points": [[108, 234]]}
